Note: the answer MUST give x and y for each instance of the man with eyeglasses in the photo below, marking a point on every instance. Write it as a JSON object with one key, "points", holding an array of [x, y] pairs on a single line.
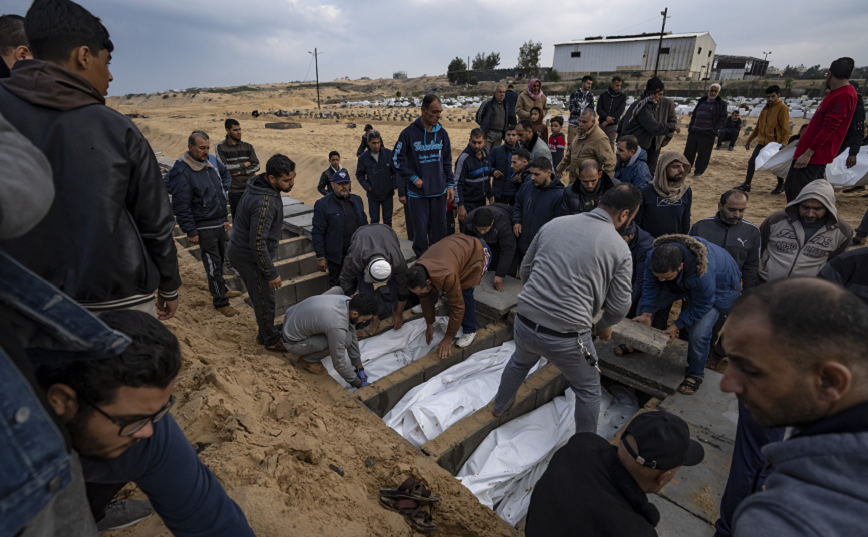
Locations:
{"points": [[706, 121], [117, 414]]}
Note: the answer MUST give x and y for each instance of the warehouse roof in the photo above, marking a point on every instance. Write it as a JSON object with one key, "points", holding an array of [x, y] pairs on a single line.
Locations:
{"points": [[619, 39]]}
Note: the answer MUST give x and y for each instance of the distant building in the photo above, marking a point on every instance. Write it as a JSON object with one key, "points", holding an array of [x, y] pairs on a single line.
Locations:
{"points": [[399, 75], [738, 68], [681, 55]]}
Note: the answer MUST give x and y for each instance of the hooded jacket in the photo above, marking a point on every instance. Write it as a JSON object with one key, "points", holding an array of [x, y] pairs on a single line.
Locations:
{"points": [[535, 207], [640, 247], [537, 147], [428, 155], [369, 242], [222, 172], [500, 159], [635, 170], [741, 240], [197, 195], [829, 126], [784, 249], [377, 177], [578, 200], [472, 177], [817, 485], [718, 118], [526, 103], [507, 186], [710, 277], [645, 126], [661, 215], [772, 125], [611, 105], [257, 225], [577, 104], [234, 156], [453, 264], [593, 145], [849, 270], [327, 233], [107, 239], [500, 234]]}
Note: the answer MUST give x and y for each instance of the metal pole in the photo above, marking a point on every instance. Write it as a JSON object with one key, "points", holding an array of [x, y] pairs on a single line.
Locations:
{"points": [[316, 61], [660, 44]]}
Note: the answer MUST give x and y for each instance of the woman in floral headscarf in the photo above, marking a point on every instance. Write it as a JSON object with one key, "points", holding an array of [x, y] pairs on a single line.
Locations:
{"points": [[532, 96]]}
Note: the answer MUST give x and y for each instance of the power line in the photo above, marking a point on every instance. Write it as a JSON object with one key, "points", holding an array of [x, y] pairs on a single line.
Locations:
{"points": [[308, 70], [635, 25]]}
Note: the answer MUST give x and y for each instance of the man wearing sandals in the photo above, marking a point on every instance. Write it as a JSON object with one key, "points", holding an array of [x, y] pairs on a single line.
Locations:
{"points": [[681, 267]]}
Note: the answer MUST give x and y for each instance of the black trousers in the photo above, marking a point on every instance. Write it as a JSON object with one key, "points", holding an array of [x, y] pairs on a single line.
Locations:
{"points": [[653, 154], [335, 273], [798, 178], [262, 299], [450, 223], [386, 206], [509, 200], [727, 135], [751, 164], [212, 244], [234, 198], [698, 149], [408, 221]]}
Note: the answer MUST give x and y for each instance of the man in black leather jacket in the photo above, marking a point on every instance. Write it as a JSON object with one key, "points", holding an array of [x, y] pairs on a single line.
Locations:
{"points": [[107, 239]]}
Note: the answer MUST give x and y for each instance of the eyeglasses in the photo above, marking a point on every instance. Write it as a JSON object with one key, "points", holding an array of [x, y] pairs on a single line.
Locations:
{"points": [[129, 428]]}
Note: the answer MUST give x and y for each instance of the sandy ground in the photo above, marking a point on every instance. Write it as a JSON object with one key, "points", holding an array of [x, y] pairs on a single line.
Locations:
{"points": [[273, 431]]}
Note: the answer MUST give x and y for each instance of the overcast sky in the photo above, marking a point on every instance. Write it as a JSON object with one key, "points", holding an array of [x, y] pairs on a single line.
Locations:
{"points": [[177, 44]]}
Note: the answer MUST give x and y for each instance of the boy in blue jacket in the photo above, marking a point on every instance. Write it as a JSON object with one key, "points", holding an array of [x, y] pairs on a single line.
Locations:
{"points": [[680, 267], [423, 160], [472, 171]]}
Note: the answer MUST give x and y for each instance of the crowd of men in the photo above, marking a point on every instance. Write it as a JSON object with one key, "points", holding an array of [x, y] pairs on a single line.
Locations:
{"points": [[597, 217]]}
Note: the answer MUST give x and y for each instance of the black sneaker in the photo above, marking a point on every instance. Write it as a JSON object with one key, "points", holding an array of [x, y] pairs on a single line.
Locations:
{"points": [[731, 148], [778, 190], [718, 147], [744, 187], [124, 513], [697, 175]]}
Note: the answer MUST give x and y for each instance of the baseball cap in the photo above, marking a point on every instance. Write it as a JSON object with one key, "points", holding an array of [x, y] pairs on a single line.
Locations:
{"points": [[379, 270], [663, 441], [341, 176]]}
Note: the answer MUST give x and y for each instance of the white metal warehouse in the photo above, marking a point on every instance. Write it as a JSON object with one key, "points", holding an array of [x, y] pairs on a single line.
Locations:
{"points": [[687, 55]]}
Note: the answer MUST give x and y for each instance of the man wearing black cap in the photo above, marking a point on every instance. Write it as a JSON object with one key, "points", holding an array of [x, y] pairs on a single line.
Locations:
{"points": [[335, 218], [364, 145], [602, 489]]}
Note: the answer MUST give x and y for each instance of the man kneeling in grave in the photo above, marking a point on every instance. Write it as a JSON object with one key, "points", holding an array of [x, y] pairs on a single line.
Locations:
{"points": [[375, 257], [454, 266], [327, 322]]}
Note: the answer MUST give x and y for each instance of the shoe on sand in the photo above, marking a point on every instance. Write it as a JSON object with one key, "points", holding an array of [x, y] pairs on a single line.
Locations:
{"points": [[232, 294], [466, 340], [124, 513], [313, 367], [228, 311], [778, 190], [417, 309], [277, 347]]}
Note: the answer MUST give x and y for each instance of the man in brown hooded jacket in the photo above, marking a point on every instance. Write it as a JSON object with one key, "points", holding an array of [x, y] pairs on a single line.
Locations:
{"points": [[453, 266]]}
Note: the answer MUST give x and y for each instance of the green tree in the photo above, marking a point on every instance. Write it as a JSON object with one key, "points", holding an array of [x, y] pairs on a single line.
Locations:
{"points": [[528, 57], [397, 94], [790, 72], [554, 76], [481, 61], [814, 73], [456, 72], [473, 81]]}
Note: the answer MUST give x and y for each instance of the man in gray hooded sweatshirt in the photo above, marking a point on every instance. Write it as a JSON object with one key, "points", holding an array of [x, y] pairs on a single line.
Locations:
{"points": [[797, 359]]}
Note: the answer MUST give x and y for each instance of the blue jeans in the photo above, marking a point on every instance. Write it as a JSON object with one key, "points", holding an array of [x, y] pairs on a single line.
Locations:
{"points": [[747, 462], [468, 323], [699, 340], [429, 221]]}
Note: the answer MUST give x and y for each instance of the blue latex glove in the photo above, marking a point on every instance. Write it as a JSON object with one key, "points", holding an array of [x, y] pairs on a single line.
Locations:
{"points": [[363, 377]]}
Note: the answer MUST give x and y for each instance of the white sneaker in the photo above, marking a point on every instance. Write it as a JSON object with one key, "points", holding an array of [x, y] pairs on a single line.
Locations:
{"points": [[466, 340], [417, 309]]}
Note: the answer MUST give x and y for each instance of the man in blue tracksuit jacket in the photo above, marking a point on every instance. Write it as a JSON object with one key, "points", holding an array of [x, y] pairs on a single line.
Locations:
{"points": [[335, 218], [423, 160], [472, 170], [680, 267]]}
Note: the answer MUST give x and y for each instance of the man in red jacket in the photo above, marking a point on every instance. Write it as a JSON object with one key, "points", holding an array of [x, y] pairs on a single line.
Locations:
{"points": [[819, 144]]}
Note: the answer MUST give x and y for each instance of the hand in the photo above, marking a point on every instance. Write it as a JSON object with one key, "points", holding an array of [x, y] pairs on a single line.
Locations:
{"points": [[403, 200], [363, 377], [560, 175], [516, 229], [275, 283], [672, 332], [851, 161], [677, 130], [665, 142], [497, 174], [462, 213], [429, 334], [491, 200], [645, 319], [444, 348], [747, 146], [397, 321], [498, 283], [166, 309], [225, 226], [372, 328], [803, 161], [609, 120], [418, 182], [450, 194], [321, 265], [247, 164], [604, 335], [193, 240]]}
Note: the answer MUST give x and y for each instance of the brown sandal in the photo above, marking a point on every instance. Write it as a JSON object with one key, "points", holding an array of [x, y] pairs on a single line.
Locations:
{"points": [[412, 511], [410, 490]]}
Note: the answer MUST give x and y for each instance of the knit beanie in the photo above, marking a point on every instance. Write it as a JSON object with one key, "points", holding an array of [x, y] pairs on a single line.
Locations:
{"points": [[654, 85]]}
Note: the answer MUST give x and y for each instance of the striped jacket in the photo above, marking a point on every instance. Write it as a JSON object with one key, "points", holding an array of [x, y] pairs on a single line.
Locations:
{"points": [[256, 226], [472, 177], [234, 157]]}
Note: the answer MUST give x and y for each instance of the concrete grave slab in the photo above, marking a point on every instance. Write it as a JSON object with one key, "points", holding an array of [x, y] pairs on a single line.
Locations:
{"points": [[407, 250], [640, 337], [288, 201], [709, 410], [296, 223], [659, 376], [296, 209], [678, 522], [491, 302]]}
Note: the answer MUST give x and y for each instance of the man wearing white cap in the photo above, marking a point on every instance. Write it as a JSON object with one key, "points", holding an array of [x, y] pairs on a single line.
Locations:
{"points": [[375, 257]]}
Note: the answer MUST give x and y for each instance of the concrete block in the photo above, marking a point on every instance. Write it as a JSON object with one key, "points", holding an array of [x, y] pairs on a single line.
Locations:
{"points": [[287, 234], [288, 269], [307, 263], [491, 302], [296, 209], [284, 297], [407, 250], [502, 336], [311, 285], [176, 232], [182, 242], [296, 224], [288, 201], [640, 337], [293, 247], [659, 376], [709, 410], [484, 340], [678, 522], [307, 231]]}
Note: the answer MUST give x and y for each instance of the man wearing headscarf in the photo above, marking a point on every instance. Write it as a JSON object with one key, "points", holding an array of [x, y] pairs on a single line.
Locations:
{"points": [[641, 119], [666, 201], [532, 96]]}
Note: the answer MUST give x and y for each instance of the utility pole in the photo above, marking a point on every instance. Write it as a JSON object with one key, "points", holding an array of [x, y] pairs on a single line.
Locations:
{"points": [[660, 44], [316, 61], [766, 65]]}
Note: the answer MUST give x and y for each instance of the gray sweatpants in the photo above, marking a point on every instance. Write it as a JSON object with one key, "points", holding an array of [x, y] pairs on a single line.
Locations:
{"points": [[583, 378], [315, 348]]}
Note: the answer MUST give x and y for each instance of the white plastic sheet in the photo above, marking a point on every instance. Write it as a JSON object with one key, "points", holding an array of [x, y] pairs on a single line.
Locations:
{"points": [[430, 408], [767, 152], [779, 164], [840, 176], [504, 469], [394, 349]]}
